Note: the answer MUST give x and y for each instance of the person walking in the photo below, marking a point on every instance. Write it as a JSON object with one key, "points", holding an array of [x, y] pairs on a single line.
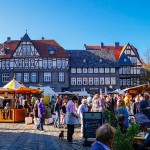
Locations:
{"points": [[57, 109], [41, 113], [71, 118], [82, 108]]}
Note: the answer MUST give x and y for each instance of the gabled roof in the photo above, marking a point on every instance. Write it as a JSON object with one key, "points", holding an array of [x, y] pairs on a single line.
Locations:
{"points": [[117, 51], [11, 47], [84, 58], [124, 60], [40, 45], [26, 38]]}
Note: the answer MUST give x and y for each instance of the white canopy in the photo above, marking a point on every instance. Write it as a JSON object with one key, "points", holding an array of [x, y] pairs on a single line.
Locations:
{"points": [[118, 91], [81, 93], [47, 90]]}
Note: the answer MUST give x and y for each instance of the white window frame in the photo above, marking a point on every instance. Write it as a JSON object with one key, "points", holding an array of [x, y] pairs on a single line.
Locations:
{"points": [[90, 80], [47, 76], [101, 70], [84, 70], [59, 64], [85, 81], [26, 77], [101, 81], [113, 80], [45, 64], [18, 76], [112, 70], [61, 77], [73, 70], [5, 77], [32, 63], [96, 81], [95, 70], [79, 70], [79, 81], [107, 80], [63, 63], [73, 81], [107, 70], [26, 63], [49, 64], [33, 77], [90, 70]]}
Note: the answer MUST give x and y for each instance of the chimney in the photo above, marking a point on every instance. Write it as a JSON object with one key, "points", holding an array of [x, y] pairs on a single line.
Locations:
{"points": [[102, 45], [117, 45], [43, 38], [8, 39]]}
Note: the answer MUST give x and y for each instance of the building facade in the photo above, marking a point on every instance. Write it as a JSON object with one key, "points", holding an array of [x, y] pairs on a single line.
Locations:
{"points": [[95, 69]]}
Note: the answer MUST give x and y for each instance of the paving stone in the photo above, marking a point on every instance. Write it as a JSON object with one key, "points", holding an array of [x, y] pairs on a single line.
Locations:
{"points": [[19, 136]]}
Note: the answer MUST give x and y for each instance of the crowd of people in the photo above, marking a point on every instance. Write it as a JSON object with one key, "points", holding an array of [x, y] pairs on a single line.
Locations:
{"points": [[69, 112]]}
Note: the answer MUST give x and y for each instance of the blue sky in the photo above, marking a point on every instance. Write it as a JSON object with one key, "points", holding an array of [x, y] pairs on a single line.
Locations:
{"points": [[73, 23]]}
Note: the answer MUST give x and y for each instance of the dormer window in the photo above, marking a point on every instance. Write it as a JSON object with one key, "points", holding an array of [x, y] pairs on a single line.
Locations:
{"points": [[51, 49], [100, 60], [3, 51], [125, 60], [84, 60]]}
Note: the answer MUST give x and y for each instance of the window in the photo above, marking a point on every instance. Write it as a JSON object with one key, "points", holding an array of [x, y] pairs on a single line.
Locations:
{"points": [[128, 82], [3, 64], [18, 77], [73, 70], [112, 70], [128, 51], [107, 81], [90, 81], [61, 77], [59, 64], [5, 77], [73, 81], [101, 70], [79, 81], [19, 63], [26, 63], [79, 70], [85, 81], [7, 64], [120, 81], [125, 59], [96, 81], [49, 64], [113, 80], [120, 70], [138, 70], [26, 77], [100, 60], [95, 70], [63, 63], [124, 70], [101, 80], [124, 82], [32, 63], [45, 64], [47, 77], [106, 70], [90, 70], [128, 70], [33, 77], [84, 70]]}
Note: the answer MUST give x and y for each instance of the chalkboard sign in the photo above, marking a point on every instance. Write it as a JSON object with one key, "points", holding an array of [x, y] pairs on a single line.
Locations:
{"points": [[91, 121]]}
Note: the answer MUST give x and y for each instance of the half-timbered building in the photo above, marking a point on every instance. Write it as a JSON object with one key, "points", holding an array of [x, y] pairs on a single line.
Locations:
{"points": [[128, 58], [34, 62]]}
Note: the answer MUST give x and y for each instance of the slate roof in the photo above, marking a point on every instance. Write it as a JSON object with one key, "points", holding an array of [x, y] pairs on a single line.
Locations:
{"points": [[40, 45], [117, 51], [84, 58]]}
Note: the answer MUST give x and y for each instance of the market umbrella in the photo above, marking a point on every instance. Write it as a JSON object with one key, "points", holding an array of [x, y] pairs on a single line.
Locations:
{"points": [[26, 90], [13, 84]]}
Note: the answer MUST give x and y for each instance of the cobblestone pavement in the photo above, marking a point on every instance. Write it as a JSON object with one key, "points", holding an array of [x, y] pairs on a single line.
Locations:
{"points": [[19, 136]]}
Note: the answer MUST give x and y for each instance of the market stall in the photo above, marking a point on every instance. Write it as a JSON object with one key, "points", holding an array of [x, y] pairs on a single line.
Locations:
{"points": [[8, 113], [141, 89]]}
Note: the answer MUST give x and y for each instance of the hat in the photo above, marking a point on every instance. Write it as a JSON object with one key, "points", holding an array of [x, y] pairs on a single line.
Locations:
{"points": [[74, 98]]}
